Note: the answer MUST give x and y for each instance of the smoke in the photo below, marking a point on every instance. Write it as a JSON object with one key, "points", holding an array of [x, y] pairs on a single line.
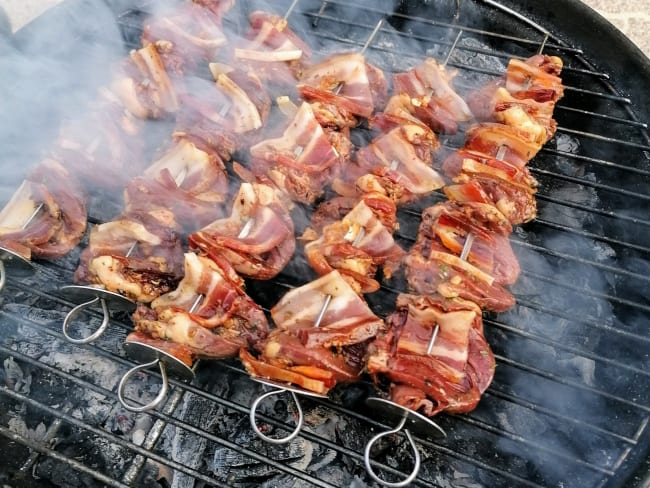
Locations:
{"points": [[51, 68]]}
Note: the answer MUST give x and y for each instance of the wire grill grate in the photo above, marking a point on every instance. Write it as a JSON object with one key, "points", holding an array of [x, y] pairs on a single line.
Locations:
{"points": [[570, 401]]}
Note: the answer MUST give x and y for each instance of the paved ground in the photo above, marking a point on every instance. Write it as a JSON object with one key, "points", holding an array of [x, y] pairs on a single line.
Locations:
{"points": [[630, 16]]}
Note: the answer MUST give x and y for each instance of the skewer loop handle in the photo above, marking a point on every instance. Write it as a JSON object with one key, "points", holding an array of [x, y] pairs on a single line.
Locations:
{"points": [[3, 275], [274, 440], [67, 321], [416, 455], [153, 403]]}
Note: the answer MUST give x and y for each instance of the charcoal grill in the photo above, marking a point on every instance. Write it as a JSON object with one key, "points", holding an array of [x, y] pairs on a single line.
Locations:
{"points": [[570, 402]]}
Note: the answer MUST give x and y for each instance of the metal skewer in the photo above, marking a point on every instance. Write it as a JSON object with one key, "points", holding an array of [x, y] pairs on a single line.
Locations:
{"points": [[151, 356], [18, 261]]}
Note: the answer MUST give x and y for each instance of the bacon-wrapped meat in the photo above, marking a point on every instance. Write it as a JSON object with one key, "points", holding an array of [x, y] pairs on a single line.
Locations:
{"points": [[188, 34], [446, 226], [433, 265], [484, 179], [450, 377], [536, 78], [272, 50], [155, 257], [316, 358], [188, 180], [432, 98], [352, 82], [249, 102], [46, 216], [337, 208], [303, 160], [143, 85], [225, 320], [401, 159], [356, 246], [257, 239]]}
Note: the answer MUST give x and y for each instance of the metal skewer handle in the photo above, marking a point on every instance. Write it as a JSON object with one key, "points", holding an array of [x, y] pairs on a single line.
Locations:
{"points": [[286, 388], [90, 296], [19, 263], [151, 356], [407, 419]]}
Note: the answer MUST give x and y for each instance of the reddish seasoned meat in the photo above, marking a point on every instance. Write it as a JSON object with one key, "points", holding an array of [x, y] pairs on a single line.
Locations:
{"points": [[187, 35], [257, 239], [143, 85], [302, 161], [188, 181], [53, 229], [313, 357], [331, 110], [349, 77], [356, 246], [432, 98], [225, 320], [450, 377], [155, 261], [465, 161], [445, 227]]}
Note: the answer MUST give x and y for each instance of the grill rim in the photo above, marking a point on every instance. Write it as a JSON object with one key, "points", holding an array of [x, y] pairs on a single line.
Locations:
{"points": [[607, 36]]}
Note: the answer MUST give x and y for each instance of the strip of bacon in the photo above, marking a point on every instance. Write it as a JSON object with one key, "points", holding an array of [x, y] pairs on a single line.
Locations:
{"points": [[302, 161], [143, 85], [50, 230], [225, 320], [269, 242], [351, 77], [448, 377], [188, 34], [316, 356], [154, 264], [356, 246]]}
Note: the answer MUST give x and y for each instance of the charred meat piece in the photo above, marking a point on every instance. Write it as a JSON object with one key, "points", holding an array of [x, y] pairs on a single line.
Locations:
{"points": [[188, 180], [432, 98], [138, 255], [144, 86], [257, 239], [46, 216], [186, 35], [451, 376], [303, 160], [225, 320], [316, 358], [446, 226], [356, 246], [179, 351], [360, 86]]}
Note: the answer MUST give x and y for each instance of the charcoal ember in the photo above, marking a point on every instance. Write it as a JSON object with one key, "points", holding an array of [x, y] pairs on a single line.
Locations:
{"points": [[187, 448], [120, 421], [14, 377]]}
